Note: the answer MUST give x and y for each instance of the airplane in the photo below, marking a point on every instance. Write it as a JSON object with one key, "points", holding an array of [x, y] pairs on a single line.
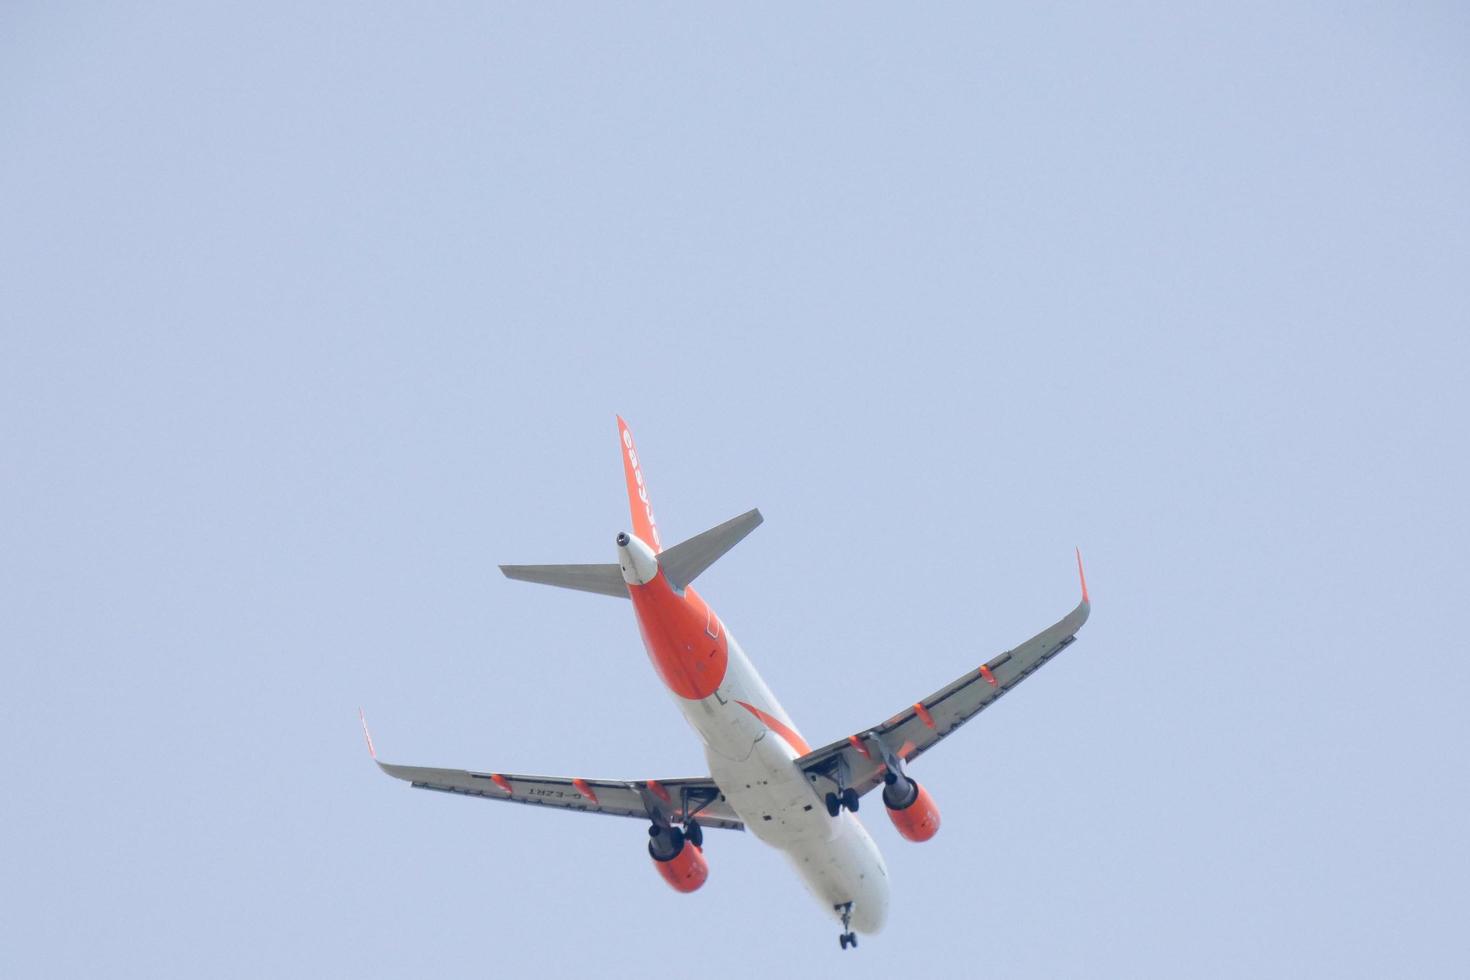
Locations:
{"points": [[763, 777]]}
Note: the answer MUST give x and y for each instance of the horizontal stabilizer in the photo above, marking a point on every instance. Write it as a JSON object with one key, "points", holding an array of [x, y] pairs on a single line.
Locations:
{"points": [[602, 579], [684, 562]]}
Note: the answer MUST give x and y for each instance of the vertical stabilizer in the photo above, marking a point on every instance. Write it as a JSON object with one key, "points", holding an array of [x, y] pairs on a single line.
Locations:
{"points": [[644, 525]]}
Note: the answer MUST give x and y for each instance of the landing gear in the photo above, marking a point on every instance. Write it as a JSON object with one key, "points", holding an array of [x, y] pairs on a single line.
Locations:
{"points": [[837, 802], [670, 839], [848, 937]]}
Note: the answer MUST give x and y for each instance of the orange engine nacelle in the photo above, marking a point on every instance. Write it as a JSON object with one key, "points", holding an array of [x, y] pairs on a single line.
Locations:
{"points": [[686, 871], [918, 819]]}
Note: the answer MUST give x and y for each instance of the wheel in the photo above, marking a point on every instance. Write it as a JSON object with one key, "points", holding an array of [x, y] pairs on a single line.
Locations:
{"points": [[694, 833], [852, 939], [850, 799], [842, 940], [676, 839], [834, 805]]}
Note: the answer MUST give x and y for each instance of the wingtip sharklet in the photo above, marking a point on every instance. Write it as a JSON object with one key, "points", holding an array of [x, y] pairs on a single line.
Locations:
{"points": [[367, 735], [1082, 577]]}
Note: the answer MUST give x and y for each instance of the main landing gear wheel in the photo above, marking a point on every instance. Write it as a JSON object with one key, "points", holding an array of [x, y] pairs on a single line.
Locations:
{"points": [[694, 833], [848, 939], [836, 802]]}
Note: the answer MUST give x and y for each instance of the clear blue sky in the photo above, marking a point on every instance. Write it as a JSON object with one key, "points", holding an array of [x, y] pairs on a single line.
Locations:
{"points": [[309, 317]]}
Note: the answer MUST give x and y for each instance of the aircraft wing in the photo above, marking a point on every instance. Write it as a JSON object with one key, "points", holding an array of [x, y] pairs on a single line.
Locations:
{"points": [[857, 761], [673, 798]]}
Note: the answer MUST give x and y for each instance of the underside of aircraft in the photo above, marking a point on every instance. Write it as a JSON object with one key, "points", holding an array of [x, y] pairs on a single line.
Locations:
{"points": [[764, 777]]}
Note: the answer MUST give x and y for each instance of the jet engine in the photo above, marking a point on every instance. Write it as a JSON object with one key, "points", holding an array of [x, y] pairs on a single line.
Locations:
{"points": [[679, 861], [910, 807]]}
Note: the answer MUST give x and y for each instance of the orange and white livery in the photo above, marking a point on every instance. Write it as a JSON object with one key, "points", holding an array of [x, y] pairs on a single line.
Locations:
{"points": [[763, 776]]}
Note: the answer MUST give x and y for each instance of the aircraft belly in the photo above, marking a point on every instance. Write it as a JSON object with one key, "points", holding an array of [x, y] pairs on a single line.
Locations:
{"points": [[845, 868], [728, 730], [724, 732], [756, 771], [771, 795]]}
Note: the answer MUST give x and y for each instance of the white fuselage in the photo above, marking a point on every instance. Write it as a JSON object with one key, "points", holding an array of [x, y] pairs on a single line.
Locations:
{"points": [[756, 770], [752, 749]]}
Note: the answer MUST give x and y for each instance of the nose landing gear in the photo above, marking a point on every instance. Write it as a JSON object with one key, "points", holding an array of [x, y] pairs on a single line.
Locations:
{"points": [[848, 937]]}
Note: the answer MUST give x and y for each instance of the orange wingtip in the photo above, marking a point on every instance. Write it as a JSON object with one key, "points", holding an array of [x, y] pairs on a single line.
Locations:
{"points": [[367, 735], [1083, 576], [581, 786]]}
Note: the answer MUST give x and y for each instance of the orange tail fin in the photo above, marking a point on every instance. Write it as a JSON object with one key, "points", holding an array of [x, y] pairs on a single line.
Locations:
{"points": [[644, 525]]}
